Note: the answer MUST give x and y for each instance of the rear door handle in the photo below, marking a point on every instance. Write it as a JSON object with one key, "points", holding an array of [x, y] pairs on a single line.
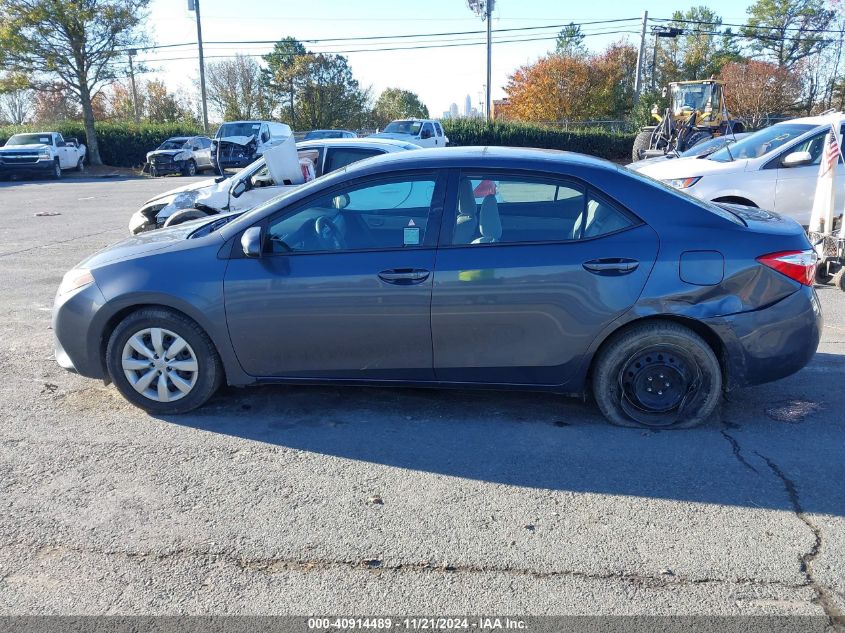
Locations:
{"points": [[611, 266], [404, 276]]}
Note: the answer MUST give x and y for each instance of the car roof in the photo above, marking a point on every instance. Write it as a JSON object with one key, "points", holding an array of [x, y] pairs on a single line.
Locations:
{"points": [[353, 142], [821, 119], [489, 156]]}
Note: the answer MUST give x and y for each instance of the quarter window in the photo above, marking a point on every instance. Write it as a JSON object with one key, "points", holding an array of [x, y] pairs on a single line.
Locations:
{"points": [[386, 214], [513, 210]]}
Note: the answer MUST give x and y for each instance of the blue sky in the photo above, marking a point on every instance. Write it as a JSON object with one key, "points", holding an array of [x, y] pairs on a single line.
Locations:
{"points": [[439, 76]]}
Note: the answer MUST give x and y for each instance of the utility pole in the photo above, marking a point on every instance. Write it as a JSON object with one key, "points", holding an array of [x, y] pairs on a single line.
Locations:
{"points": [[132, 52], [638, 81], [489, 10], [484, 9], [194, 5]]}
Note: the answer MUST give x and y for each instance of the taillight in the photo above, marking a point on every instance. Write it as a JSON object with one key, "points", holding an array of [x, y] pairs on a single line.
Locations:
{"points": [[797, 265]]}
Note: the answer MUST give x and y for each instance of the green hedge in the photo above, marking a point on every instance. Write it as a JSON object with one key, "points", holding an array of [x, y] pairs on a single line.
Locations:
{"points": [[593, 141], [121, 144]]}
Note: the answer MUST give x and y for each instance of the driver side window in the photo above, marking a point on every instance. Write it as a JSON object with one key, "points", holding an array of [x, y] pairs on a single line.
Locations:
{"points": [[385, 214]]}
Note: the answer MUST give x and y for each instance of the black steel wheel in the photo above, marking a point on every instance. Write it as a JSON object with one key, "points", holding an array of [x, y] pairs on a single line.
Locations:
{"points": [[657, 375]]}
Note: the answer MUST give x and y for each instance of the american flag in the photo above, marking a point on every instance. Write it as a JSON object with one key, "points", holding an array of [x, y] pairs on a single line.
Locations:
{"points": [[831, 152]]}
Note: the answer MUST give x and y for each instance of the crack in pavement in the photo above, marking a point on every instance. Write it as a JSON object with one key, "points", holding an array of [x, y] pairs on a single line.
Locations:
{"points": [[56, 243], [735, 447], [824, 596], [273, 565]]}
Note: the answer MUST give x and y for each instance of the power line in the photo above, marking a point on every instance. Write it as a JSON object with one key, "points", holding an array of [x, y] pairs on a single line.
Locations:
{"points": [[398, 37], [750, 26]]}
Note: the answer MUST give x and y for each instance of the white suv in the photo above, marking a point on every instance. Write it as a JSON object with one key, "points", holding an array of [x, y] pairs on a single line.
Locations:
{"points": [[422, 132], [775, 168]]}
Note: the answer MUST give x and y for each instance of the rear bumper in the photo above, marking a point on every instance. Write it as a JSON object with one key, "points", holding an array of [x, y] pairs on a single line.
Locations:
{"points": [[771, 343]]}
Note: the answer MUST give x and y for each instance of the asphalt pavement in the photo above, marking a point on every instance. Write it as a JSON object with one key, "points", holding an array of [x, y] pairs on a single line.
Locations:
{"points": [[354, 501]]}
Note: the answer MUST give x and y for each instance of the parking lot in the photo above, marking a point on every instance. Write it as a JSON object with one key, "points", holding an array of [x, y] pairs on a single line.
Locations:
{"points": [[376, 501]]}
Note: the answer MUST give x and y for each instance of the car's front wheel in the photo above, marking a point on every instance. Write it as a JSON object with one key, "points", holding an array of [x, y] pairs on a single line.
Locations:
{"points": [[163, 362], [657, 375], [190, 168], [57, 170]]}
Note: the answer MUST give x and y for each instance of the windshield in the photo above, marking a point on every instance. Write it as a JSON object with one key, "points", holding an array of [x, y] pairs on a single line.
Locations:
{"points": [[708, 146], [701, 204], [404, 127], [238, 129], [29, 139], [762, 142], [689, 97], [173, 143]]}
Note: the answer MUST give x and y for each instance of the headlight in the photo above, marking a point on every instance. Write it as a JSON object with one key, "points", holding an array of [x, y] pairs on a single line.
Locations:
{"points": [[682, 183], [74, 279], [44, 153]]}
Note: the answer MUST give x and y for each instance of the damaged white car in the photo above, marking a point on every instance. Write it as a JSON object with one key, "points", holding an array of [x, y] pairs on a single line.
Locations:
{"points": [[284, 167], [238, 143]]}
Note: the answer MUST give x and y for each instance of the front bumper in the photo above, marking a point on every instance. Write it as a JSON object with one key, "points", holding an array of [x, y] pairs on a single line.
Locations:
{"points": [[169, 167], [772, 343], [41, 167], [77, 345]]}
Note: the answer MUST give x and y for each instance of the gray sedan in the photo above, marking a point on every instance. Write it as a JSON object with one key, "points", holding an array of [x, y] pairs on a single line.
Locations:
{"points": [[482, 268]]}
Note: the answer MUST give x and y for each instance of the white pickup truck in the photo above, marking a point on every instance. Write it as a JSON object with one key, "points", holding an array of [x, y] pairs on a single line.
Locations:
{"points": [[40, 153]]}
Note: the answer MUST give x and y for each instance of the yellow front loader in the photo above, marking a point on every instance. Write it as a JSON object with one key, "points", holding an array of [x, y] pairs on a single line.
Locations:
{"points": [[697, 112]]}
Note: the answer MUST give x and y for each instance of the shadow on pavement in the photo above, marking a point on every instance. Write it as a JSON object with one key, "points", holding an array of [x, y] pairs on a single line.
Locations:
{"points": [[550, 442]]}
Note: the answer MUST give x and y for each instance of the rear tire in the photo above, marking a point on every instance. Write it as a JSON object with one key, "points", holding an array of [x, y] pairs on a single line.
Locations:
{"points": [[641, 143], [657, 376], [191, 375]]}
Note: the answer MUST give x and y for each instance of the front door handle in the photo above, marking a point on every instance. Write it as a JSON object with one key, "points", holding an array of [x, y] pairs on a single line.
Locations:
{"points": [[404, 276], [611, 266]]}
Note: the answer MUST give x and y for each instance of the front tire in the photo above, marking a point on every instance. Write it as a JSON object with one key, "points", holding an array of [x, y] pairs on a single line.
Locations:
{"points": [[184, 215], [657, 376], [57, 170], [80, 165], [190, 169], [163, 362]]}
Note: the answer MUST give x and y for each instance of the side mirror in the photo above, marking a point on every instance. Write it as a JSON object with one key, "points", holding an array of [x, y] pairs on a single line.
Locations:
{"points": [[239, 189], [663, 92], [797, 159], [341, 201], [251, 241]]}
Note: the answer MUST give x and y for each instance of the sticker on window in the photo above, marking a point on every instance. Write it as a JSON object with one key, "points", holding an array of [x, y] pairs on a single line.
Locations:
{"points": [[412, 234], [256, 127], [44, 139]]}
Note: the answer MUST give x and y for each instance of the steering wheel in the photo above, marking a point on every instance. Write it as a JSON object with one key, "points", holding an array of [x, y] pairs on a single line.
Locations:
{"points": [[328, 233]]}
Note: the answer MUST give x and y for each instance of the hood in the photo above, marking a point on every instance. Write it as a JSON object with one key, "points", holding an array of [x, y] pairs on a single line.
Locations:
{"points": [[195, 186], [139, 245], [34, 148], [395, 136], [166, 152], [690, 167], [237, 140]]}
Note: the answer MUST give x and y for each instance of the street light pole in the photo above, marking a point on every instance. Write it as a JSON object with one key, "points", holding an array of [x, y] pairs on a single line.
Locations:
{"points": [[194, 5]]}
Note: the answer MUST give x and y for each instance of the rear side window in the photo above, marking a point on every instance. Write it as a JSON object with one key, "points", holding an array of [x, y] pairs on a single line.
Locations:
{"points": [[514, 210], [438, 128], [338, 157]]}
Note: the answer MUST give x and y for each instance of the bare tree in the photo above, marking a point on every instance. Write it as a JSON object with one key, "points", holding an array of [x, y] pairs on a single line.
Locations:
{"points": [[235, 88]]}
